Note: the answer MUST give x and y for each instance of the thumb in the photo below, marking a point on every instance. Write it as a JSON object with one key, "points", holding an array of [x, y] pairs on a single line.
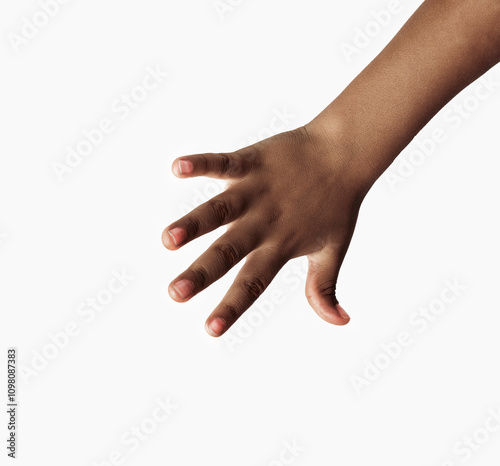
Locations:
{"points": [[321, 281]]}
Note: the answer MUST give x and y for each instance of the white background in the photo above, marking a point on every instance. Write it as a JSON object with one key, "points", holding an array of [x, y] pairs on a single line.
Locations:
{"points": [[280, 374]]}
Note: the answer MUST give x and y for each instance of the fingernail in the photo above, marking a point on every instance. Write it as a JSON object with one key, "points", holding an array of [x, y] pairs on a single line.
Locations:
{"points": [[184, 288], [185, 167], [342, 312], [216, 327], [177, 234]]}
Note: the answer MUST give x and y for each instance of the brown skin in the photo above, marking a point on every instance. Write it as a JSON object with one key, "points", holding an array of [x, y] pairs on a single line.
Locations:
{"points": [[298, 193]]}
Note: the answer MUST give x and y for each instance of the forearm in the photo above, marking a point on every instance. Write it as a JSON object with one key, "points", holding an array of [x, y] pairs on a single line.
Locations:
{"points": [[444, 46]]}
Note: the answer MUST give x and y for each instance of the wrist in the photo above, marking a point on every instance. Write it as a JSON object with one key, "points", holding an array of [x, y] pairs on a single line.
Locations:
{"points": [[352, 147]]}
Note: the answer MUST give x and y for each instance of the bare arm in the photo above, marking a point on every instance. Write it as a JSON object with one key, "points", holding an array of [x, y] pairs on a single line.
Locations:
{"points": [[443, 47]]}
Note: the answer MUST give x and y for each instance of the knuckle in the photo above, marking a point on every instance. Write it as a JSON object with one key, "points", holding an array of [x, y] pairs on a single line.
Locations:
{"points": [[200, 276], [253, 286], [250, 157], [193, 226], [231, 312], [328, 288], [221, 210], [274, 214], [229, 254], [205, 162], [225, 164]]}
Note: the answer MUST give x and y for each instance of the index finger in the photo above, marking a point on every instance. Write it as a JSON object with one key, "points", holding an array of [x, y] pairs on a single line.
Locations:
{"points": [[215, 165]]}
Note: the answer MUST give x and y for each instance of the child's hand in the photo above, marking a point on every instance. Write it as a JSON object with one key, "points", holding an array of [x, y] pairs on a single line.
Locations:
{"points": [[291, 195], [298, 193]]}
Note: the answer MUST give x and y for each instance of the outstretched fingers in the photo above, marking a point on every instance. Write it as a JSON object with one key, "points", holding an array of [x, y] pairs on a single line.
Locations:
{"points": [[261, 266], [214, 263]]}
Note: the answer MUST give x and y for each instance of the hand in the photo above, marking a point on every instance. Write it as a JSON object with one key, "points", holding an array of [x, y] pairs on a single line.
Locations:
{"points": [[291, 195], [299, 193]]}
